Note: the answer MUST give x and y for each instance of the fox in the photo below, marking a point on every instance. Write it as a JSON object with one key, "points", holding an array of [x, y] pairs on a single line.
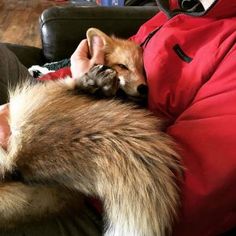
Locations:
{"points": [[67, 143], [125, 58]]}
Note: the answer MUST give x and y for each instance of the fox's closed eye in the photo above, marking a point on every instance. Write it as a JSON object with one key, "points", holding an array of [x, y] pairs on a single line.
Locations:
{"points": [[122, 66]]}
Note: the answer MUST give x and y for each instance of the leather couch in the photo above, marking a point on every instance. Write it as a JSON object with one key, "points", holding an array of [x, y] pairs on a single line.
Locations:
{"points": [[62, 28]]}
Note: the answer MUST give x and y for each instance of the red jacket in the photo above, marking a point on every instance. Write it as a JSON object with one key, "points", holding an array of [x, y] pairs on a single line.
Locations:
{"points": [[190, 62]]}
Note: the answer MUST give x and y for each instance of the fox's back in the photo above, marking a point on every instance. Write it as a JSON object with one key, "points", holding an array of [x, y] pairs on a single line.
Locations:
{"points": [[52, 115]]}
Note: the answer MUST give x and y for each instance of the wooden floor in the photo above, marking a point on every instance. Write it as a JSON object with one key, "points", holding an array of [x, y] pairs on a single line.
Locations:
{"points": [[19, 20]]}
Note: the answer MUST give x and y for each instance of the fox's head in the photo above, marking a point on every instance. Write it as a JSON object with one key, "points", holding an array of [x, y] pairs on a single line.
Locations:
{"points": [[125, 57]]}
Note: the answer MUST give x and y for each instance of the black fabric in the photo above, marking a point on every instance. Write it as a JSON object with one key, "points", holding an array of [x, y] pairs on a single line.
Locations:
{"points": [[190, 7], [57, 65], [230, 233], [27, 55], [11, 72]]}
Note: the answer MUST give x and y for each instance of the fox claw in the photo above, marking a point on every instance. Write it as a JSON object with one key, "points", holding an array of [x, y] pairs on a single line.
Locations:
{"points": [[99, 77]]}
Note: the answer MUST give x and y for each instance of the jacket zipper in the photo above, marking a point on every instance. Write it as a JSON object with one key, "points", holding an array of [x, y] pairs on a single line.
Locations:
{"points": [[150, 35]]}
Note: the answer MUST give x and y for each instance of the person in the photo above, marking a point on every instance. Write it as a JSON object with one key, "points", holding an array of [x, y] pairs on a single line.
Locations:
{"points": [[191, 80]]}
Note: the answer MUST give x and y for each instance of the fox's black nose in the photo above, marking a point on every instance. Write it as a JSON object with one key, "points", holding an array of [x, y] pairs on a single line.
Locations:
{"points": [[143, 89]]}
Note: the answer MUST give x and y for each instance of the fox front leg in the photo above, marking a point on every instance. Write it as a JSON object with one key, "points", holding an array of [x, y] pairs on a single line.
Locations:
{"points": [[100, 79]]}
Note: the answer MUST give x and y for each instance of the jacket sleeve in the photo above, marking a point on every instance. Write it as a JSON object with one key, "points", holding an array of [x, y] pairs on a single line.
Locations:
{"points": [[206, 133]]}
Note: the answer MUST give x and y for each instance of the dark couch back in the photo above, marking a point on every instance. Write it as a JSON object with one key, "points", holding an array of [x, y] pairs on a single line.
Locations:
{"points": [[62, 28]]}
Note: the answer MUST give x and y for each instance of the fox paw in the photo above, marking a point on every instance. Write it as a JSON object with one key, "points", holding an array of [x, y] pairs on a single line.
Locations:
{"points": [[99, 78]]}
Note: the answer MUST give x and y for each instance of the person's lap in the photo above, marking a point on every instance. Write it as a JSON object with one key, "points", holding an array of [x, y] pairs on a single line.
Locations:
{"points": [[85, 223], [11, 71]]}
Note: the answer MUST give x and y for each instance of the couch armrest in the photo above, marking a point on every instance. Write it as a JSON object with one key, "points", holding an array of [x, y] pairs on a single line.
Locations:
{"points": [[62, 28]]}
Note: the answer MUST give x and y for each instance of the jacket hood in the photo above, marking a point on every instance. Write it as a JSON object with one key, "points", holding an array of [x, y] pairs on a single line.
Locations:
{"points": [[218, 8]]}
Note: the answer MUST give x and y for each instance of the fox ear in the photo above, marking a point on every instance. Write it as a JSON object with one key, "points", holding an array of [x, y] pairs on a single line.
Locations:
{"points": [[91, 32]]}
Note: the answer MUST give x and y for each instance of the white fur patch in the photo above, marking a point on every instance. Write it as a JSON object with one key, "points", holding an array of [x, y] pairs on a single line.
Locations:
{"points": [[3, 156], [3, 162], [70, 82], [122, 81]]}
